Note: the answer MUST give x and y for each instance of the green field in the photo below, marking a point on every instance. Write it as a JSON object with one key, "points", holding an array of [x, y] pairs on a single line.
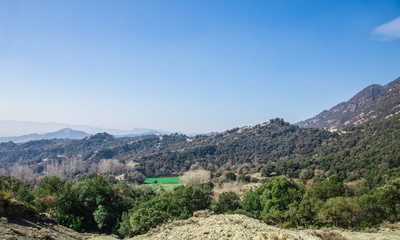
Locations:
{"points": [[167, 183]]}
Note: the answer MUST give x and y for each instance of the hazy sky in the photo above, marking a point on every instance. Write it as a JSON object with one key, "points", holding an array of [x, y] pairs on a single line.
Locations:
{"points": [[193, 66]]}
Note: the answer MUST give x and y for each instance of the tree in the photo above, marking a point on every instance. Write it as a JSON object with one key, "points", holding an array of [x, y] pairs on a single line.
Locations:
{"points": [[329, 188], [230, 176], [179, 204], [340, 212], [308, 209], [227, 202], [47, 193], [389, 197], [145, 218]]}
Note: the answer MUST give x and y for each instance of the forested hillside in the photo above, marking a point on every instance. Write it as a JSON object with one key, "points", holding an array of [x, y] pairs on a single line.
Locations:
{"points": [[369, 151], [165, 155]]}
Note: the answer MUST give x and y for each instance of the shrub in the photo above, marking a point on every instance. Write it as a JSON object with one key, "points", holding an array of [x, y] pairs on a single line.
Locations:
{"points": [[230, 176], [227, 202]]}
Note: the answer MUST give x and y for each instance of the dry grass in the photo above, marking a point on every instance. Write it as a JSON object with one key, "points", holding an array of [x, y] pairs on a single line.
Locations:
{"points": [[196, 176], [239, 188], [328, 235]]}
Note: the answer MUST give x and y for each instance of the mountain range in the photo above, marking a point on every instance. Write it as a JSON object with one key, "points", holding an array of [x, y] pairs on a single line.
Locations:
{"points": [[372, 103], [65, 133], [18, 128], [367, 146]]}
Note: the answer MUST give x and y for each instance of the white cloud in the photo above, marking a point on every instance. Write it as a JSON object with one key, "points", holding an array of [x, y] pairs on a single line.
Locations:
{"points": [[387, 31]]}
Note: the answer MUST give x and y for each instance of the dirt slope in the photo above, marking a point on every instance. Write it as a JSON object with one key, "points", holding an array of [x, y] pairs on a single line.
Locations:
{"points": [[243, 228], [21, 228]]}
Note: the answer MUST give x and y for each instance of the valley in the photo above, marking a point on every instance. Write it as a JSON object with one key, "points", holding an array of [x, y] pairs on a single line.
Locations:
{"points": [[331, 183]]}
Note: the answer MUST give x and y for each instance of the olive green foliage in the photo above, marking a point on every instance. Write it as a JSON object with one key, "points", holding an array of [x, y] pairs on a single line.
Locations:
{"points": [[329, 188], [325, 203], [370, 152], [272, 199], [244, 178], [179, 204], [15, 188], [340, 211], [230, 176], [227, 202], [96, 204], [389, 197], [92, 204]]}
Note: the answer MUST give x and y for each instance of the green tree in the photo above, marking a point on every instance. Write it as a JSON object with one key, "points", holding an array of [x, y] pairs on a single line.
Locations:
{"points": [[143, 219], [329, 188], [308, 209], [340, 211], [227, 202], [230, 176], [389, 197], [47, 193]]}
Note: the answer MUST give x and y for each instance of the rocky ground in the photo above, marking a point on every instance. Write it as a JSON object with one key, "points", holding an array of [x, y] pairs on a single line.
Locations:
{"points": [[202, 226], [243, 228], [24, 228]]}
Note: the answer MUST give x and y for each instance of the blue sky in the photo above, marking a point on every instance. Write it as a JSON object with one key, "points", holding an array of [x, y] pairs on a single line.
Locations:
{"points": [[192, 66]]}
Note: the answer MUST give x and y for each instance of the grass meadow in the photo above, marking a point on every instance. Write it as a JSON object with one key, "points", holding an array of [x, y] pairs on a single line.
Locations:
{"points": [[167, 183]]}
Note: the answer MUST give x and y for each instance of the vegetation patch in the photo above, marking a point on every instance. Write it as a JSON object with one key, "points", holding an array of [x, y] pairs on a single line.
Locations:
{"points": [[164, 180], [167, 183]]}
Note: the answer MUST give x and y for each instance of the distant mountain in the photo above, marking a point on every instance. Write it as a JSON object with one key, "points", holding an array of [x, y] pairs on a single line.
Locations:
{"points": [[65, 133], [372, 103], [18, 128], [142, 132]]}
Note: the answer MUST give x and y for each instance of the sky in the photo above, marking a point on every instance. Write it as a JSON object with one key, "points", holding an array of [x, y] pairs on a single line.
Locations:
{"points": [[190, 66]]}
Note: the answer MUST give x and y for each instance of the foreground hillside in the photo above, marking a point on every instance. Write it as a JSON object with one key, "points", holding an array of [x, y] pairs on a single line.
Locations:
{"points": [[245, 228], [96, 205], [26, 229], [199, 227]]}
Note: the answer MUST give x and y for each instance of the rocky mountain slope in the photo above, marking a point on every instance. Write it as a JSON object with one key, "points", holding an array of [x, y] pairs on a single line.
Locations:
{"points": [[372, 103]]}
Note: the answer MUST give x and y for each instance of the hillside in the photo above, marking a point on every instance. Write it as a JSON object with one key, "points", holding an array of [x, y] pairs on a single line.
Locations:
{"points": [[372, 103], [272, 147], [368, 137], [213, 227], [165, 155], [242, 227]]}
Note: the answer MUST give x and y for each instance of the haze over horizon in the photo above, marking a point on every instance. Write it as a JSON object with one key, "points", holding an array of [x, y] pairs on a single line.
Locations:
{"points": [[190, 66]]}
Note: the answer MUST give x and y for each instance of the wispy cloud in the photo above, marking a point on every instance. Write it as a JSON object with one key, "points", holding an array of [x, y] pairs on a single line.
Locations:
{"points": [[388, 31]]}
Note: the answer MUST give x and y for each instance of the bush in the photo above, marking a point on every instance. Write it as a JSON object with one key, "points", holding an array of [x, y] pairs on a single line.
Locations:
{"points": [[179, 204], [227, 202], [243, 178], [145, 218], [230, 176], [70, 221], [340, 212]]}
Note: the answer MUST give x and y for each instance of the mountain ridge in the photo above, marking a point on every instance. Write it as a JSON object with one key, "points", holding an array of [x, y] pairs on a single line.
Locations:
{"points": [[12, 128], [372, 103], [65, 133]]}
